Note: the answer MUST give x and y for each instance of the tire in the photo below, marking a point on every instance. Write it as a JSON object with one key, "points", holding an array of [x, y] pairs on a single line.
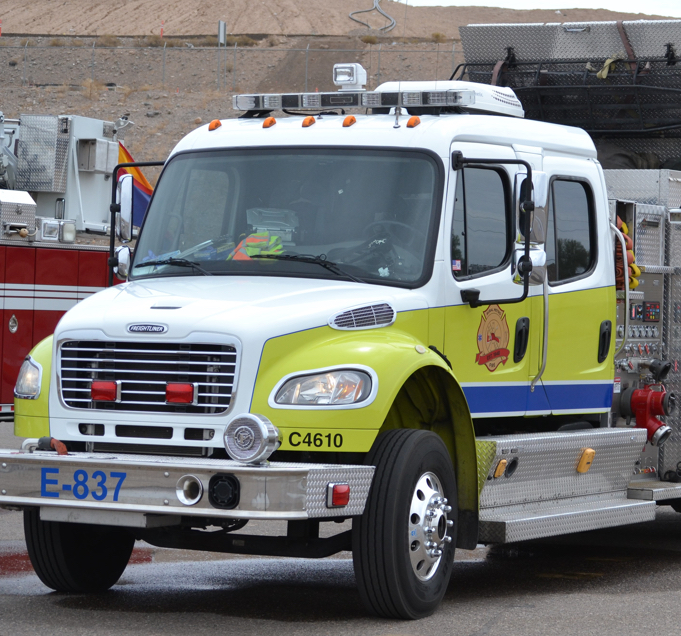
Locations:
{"points": [[398, 574], [73, 557]]}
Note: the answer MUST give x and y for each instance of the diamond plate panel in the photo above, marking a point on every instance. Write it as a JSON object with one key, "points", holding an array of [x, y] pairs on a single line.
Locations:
{"points": [[359, 478], [43, 153], [486, 452], [634, 185], [667, 148], [654, 490], [547, 519], [547, 465], [670, 452], [17, 213], [567, 41], [649, 234]]}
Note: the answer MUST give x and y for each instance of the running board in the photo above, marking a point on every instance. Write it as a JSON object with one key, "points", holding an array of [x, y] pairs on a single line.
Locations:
{"points": [[652, 490], [509, 524]]}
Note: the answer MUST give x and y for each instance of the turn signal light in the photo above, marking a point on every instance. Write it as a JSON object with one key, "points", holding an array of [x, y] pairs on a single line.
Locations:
{"points": [[101, 391], [269, 122], [349, 121], [177, 393], [337, 495], [215, 124], [308, 121], [413, 122]]}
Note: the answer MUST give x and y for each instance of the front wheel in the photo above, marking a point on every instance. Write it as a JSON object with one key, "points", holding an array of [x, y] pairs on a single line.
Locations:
{"points": [[73, 557], [403, 544]]}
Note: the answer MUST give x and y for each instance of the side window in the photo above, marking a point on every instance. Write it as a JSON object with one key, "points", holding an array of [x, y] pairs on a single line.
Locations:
{"points": [[570, 247], [481, 227]]}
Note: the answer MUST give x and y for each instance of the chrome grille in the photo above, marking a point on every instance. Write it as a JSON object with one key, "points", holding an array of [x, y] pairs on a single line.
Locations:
{"points": [[144, 368], [380, 315]]}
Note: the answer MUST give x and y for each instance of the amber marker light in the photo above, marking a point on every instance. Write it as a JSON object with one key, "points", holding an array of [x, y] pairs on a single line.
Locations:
{"points": [[269, 122], [413, 122], [215, 124], [501, 468], [349, 121], [308, 121], [585, 460]]}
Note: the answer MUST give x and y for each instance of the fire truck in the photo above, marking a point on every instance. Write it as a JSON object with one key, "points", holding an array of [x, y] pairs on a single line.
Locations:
{"points": [[424, 309], [55, 187]]}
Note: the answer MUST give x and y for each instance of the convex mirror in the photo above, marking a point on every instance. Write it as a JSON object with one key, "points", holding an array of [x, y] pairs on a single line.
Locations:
{"points": [[124, 191]]}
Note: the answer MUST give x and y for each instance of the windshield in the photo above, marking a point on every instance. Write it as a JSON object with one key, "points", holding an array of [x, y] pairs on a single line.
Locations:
{"points": [[349, 214]]}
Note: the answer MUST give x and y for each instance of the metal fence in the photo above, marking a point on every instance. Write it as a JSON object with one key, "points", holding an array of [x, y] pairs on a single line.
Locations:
{"points": [[228, 69]]}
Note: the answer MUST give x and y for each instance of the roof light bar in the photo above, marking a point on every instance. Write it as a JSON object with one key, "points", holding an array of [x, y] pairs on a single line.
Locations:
{"points": [[355, 99]]}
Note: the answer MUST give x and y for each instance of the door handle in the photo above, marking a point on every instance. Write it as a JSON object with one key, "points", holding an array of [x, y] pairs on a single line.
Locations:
{"points": [[604, 340], [522, 338]]}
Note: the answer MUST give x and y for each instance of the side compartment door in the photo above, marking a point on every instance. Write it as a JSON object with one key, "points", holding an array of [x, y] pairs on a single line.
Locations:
{"points": [[17, 315], [579, 374], [492, 348]]}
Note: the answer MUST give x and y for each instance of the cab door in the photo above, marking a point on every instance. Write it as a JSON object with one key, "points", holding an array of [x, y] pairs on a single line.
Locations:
{"points": [[579, 366], [494, 348]]}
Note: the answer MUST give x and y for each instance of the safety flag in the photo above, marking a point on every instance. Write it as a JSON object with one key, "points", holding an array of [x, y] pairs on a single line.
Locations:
{"points": [[141, 191]]}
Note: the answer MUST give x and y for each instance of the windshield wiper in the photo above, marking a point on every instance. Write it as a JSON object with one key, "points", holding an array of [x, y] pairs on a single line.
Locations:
{"points": [[179, 262], [317, 260]]}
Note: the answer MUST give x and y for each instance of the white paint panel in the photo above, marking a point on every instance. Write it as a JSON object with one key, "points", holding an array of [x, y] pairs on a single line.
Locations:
{"points": [[53, 304]]}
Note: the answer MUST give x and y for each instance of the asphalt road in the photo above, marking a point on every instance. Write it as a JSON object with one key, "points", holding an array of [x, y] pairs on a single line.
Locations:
{"points": [[611, 582]]}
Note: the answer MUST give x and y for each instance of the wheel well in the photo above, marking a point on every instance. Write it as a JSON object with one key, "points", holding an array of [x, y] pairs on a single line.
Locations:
{"points": [[431, 399]]}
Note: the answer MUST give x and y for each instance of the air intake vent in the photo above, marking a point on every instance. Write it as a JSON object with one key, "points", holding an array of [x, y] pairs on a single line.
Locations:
{"points": [[367, 317]]}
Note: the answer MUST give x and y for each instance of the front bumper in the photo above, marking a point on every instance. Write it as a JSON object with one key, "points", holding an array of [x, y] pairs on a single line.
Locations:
{"points": [[147, 485]]}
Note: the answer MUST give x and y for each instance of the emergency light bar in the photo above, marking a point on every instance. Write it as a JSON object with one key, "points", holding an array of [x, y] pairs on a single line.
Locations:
{"points": [[354, 99], [430, 94]]}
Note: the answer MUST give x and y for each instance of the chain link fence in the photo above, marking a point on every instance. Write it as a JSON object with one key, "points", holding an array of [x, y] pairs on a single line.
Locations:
{"points": [[242, 69]]}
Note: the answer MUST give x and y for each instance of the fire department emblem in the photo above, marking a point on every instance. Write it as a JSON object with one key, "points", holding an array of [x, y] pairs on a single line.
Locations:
{"points": [[493, 338]]}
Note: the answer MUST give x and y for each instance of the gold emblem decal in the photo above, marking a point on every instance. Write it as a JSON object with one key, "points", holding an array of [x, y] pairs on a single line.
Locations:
{"points": [[492, 338]]}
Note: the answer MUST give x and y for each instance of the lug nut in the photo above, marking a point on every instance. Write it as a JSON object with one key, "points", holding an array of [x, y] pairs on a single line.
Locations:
{"points": [[450, 523], [430, 545], [446, 508], [429, 530], [447, 539]]}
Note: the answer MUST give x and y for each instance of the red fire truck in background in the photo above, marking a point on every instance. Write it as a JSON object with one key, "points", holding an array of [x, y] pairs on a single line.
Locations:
{"points": [[55, 191]]}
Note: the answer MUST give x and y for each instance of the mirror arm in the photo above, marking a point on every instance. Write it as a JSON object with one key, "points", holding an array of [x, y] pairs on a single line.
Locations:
{"points": [[525, 262], [115, 207]]}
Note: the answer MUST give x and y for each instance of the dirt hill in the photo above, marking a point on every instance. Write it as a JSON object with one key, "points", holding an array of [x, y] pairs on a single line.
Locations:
{"points": [[280, 17]]}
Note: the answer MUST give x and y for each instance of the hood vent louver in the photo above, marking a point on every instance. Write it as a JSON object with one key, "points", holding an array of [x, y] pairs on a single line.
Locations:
{"points": [[365, 317]]}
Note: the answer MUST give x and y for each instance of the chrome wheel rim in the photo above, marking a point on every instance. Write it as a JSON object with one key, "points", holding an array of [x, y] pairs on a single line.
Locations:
{"points": [[428, 526]]}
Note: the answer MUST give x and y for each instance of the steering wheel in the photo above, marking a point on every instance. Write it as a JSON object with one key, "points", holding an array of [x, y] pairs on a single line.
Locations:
{"points": [[412, 232]]}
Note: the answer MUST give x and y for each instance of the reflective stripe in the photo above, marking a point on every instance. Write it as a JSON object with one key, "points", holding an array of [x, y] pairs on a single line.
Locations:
{"points": [[16, 296]]}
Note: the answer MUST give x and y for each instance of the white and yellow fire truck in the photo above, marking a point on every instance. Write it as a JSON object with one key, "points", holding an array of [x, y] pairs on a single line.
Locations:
{"points": [[433, 317]]}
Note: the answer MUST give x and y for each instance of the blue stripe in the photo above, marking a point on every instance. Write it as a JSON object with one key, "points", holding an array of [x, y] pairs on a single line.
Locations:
{"points": [[502, 399], [577, 396]]}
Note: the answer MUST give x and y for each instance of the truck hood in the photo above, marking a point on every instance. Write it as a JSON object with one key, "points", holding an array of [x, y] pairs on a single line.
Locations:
{"points": [[250, 308]]}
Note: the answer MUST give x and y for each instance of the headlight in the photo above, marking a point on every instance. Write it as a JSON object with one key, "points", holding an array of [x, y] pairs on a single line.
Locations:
{"points": [[28, 382], [332, 388], [251, 438]]}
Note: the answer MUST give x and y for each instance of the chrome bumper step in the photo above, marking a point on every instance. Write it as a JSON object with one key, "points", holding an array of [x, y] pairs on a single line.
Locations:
{"points": [[652, 490], [509, 524]]}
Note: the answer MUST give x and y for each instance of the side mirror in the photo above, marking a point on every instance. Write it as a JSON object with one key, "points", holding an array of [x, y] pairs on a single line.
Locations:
{"points": [[538, 273], [123, 256], [124, 191], [540, 196]]}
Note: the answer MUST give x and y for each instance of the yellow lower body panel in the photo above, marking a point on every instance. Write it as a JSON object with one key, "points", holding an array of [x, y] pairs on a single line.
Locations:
{"points": [[31, 426]]}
